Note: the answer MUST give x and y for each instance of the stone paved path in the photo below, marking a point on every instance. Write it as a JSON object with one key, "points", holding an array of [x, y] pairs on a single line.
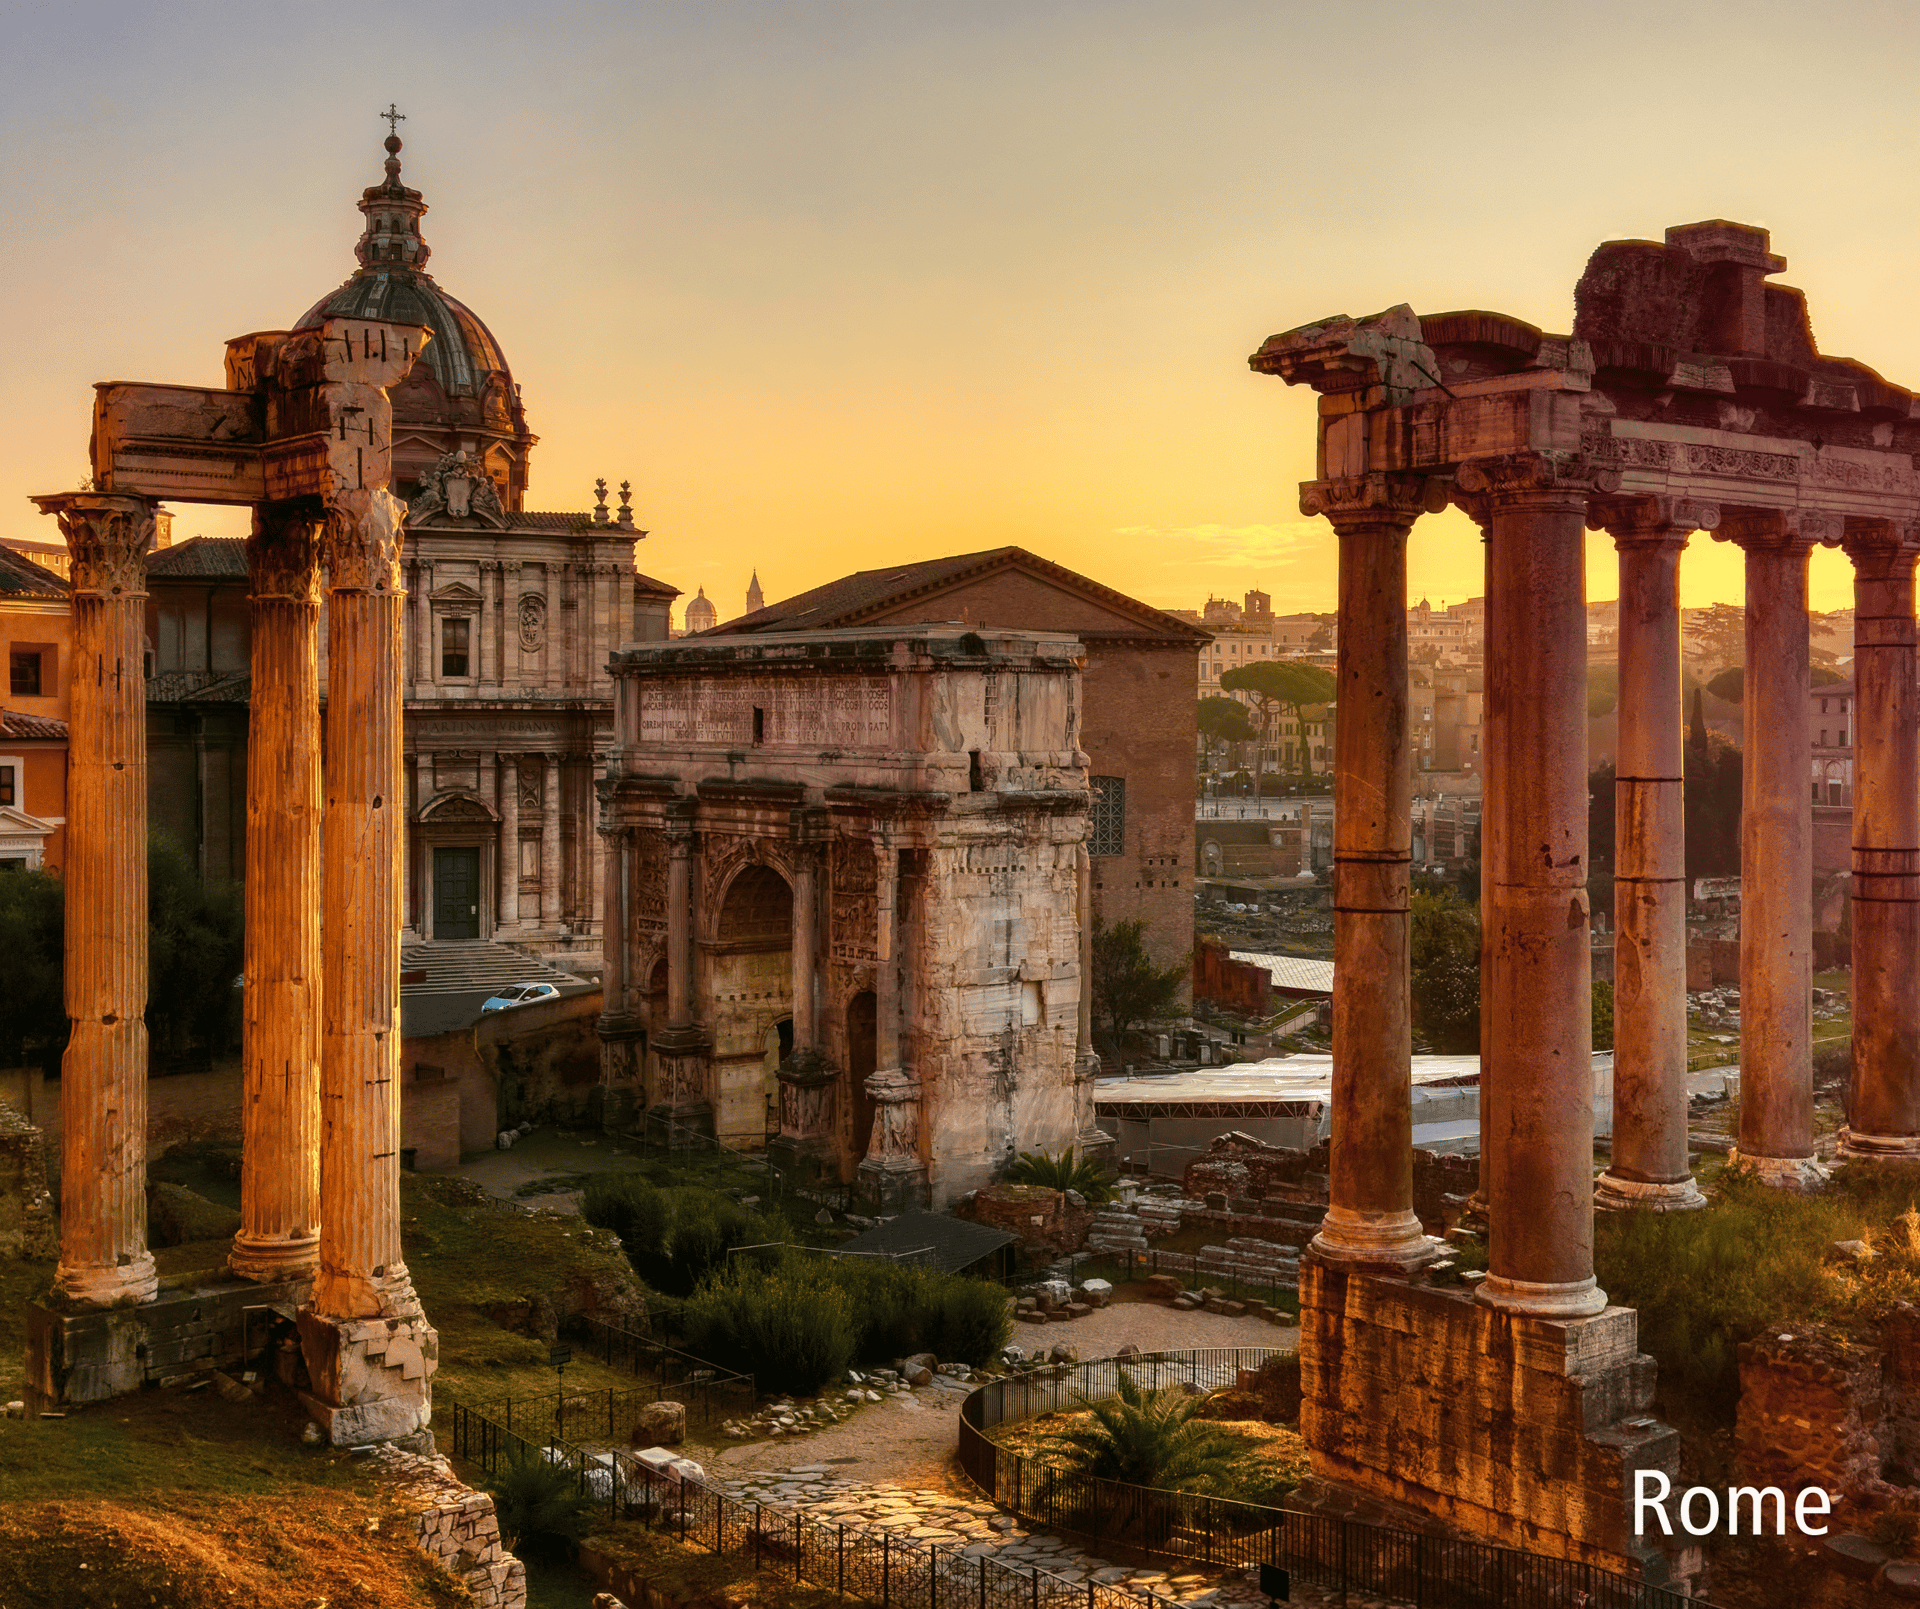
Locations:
{"points": [[978, 1529]]}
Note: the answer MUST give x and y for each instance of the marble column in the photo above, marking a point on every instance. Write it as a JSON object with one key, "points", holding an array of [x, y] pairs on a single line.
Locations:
{"points": [[892, 1178], [1884, 1110], [1776, 853], [1648, 1168], [279, 1236], [1537, 1116], [806, 929], [361, 1271], [509, 840], [551, 913], [1370, 1219], [104, 1261], [684, 1104]]}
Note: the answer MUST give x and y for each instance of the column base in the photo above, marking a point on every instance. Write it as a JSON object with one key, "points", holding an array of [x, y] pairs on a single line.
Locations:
{"points": [[1379, 1240], [127, 1285], [887, 1187], [1580, 1298], [1783, 1172], [266, 1261], [1615, 1193], [805, 1160], [671, 1125], [372, 1376], [1096, 1143], [1855, 1146]]}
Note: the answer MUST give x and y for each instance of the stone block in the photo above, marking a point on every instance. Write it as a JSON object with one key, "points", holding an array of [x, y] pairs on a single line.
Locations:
{"points": [[1076, 1310], [660, 1424], [1097, 1292]]}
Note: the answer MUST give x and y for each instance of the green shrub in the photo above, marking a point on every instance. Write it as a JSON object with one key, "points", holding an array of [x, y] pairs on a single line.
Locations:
{"points": [[792, 1327], [886, 1297], [968, 1319], [542, 1511], [1094, 1180], [1602, 1015], [673, 1238]]}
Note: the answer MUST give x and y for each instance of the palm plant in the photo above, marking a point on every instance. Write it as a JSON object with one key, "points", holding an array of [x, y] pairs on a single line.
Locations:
{"points": [[1149, 1438], [1092, 1179], [543, 1512]]}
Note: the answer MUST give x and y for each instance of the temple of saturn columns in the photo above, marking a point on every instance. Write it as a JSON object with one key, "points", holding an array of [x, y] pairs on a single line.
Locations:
{"points": [[1690, 397], [302, 433]]}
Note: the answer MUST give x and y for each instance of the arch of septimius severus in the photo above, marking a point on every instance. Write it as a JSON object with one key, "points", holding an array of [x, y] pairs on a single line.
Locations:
{"points": [[303, 434], [1690, 397]]}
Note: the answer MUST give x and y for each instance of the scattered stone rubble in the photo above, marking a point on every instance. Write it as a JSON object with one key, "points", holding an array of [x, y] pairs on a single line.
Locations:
{"points": [[457, 1526], [786, 1416]]}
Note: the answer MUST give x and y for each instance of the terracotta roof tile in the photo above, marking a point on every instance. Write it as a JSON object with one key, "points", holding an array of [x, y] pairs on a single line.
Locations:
{"points": [[15, 723], [220, 558], [20, 577]]}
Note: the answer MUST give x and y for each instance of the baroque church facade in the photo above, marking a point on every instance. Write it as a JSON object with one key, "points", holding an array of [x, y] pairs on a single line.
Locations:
{"points": [[511, 616]]}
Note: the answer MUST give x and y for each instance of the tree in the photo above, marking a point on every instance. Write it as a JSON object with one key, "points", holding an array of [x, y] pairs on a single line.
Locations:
{"points": [[1602, 1014], [33, 1015], [196, 945], [1697, 726], [1717, 633], [1821, 676], [1128, 989], [1445, 944], [1730, 685], [1281, 684], [1600, 809], [1156, 1439], [1603, 690], [1712, 806], [1225, 720]]}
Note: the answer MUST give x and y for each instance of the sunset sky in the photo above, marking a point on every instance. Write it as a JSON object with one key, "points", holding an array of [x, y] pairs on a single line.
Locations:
{"points": [[841, 282]]}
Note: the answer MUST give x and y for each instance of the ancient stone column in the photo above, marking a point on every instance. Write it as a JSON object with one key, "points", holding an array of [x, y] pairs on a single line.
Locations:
{"points": [[892, 1177], [103, 1074], [1094, 1140], [1776, 852], [806, 926], [279, 1236], [683, 1104], [1884, 1111], [1370, 1219], [368, 1347], [1649, 1164], [551, 906], [486, 656], [1537, 1116], [509, 840], [807, 1079]]}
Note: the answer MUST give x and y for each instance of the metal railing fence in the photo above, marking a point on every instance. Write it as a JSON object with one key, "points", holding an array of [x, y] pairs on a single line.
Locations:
{"points": [[1426, 1571]]}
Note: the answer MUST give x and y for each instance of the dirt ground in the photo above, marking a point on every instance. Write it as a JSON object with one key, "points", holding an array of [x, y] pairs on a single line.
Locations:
{"points": [[910, 1441]]}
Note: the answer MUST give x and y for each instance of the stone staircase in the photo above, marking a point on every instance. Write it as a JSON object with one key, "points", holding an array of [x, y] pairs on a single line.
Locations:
{"points": [[1127, 1228], [458, 968], [1255, 1262]]}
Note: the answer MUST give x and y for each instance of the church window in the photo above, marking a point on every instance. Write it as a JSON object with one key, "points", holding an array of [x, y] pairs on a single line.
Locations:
{"points": [[455, 633], [9, 789], [1108, 834]]}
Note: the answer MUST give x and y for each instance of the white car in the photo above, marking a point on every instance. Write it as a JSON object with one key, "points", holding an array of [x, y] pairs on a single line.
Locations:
{"points": [[521, 994]]}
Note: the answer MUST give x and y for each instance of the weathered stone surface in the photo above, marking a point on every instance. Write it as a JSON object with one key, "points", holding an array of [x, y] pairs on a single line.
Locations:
{"points": [[660, 1424], [27, 1227]]}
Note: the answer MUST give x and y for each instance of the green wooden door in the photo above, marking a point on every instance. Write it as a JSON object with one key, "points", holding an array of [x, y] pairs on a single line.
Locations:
{"points": [[456, 893]]}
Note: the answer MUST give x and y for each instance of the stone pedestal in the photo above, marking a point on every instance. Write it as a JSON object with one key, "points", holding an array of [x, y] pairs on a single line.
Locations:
{"points": [[892, 1178], [804, 1149], [682, 1110], [1523, 1430], [104, 1259], [371, 1377]]}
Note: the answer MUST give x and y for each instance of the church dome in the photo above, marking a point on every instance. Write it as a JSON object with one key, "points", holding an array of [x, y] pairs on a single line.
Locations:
{"points": [[701, 614], [461, 395]]}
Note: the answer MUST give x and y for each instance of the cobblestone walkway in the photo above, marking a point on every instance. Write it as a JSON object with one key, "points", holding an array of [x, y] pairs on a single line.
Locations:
{"points": [[977, 1529]]}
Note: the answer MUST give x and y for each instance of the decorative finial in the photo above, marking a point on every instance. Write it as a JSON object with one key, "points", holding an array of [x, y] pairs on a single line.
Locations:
{"points": [[600, 501], [395, 117], [626, 504]]}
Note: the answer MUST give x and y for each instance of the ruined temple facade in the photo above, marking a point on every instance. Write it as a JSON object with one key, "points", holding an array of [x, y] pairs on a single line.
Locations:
{"points": [[511, 615], [1688, 397], [850, 871]]}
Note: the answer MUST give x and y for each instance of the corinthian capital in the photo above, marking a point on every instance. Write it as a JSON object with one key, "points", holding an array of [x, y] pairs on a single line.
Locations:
{"points": [[283, 555], [1880, 547], [1781, 530], [1648, 518], [362, 549], [108, 536], [1368, 500]]}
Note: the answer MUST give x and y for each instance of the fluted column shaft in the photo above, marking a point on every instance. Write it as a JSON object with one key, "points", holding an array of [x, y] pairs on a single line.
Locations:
{"points": [[361, 1271], [615, 990], [1649, 1163], [1537, 1116], [680, 843], [806, 925], [886, 965], [1370, 1218], [509, 840], [1884, 1112], [550, 903], [103, 1074], [1776, 864], [280, 1113]]}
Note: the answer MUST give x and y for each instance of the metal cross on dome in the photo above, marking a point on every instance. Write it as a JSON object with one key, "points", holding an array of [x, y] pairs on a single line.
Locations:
{"points": [[395, 117]]}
